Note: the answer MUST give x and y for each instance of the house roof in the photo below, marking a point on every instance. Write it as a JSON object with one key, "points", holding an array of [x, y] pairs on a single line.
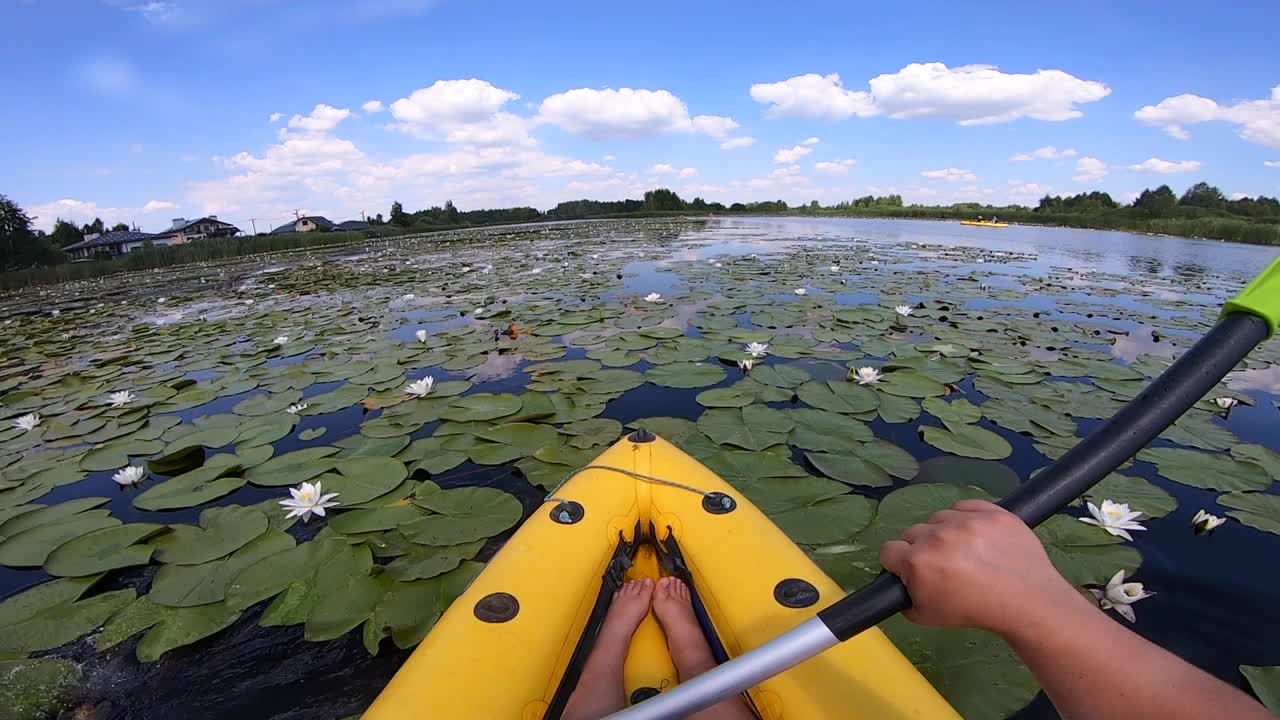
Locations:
{"points": [[110, 238], [197, 221], [292, 226], [352, 225]]}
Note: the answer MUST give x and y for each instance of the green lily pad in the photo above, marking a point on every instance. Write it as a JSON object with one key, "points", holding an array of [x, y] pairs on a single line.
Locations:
{"points": [[409, 609], [292, 468], [849, 469], [1268, 459], [1138, 493], [995, 478], [730, 397], [1028, 417], [1257, 510], [101, 550], [364, 478], [191, 585], [837, 396], [908, 383], [33, 601], [373, 519], [755, 427], [1084, 554], [463, 515], [60, 624], [30, 548], [428, 561], [685, 375], [1265, 682], [827, 431], [739, 467], [337, 613], [221, 531], [182, 626], [482, 406], [273, 574], [1206, 470], [911, 505], [592, 432], [826, 521], [189, 489], [968, 441], [891, 458], [958, 412], [46, 515], [783, 376]]}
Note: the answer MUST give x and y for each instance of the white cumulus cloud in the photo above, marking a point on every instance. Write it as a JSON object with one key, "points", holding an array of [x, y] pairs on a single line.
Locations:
{"points": [[1258, 121], [969, 95], [158, 205], [84, 211], [1271, 163], [1048, 152], [627, 113], [951, 175], [373, 106], [834, 167], [1165, 167], [738, 142], [275, 117], [663, 168], [323, 118], [1089, 169], [451, 102], [789, 155], [688, 172]]}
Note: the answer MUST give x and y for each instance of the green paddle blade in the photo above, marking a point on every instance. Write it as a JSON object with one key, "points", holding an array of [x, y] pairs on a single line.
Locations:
{"points": [[1260, 297]]}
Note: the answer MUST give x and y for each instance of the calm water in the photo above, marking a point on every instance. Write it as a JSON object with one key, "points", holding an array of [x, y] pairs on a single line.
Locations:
{"points": [[1217, 594]]}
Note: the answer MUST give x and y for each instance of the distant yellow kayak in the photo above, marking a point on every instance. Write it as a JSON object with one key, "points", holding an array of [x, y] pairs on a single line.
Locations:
{"points": [[983, 223], [511, 647]]}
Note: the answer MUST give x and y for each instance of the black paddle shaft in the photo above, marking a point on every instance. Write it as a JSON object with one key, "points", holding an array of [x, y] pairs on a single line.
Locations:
{"points": [[1170, 395]]}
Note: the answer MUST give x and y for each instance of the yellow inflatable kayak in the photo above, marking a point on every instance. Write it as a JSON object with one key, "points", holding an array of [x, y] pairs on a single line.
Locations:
{"points": [[513, 644], [983, 223]]}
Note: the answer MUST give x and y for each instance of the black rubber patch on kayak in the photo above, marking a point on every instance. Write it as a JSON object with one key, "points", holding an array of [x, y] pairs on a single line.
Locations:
{"points": [[568, 512], [795, 593], [497, 607], [717, 503], [642, 436], [643, 693]]}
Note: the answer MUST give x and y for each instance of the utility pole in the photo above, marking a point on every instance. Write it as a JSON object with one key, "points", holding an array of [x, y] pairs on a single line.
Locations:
{"points": [[297, 216], [254, 224]]}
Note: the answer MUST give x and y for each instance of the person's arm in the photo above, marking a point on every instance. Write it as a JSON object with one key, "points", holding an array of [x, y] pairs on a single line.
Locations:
{"points": [[977, 565]]}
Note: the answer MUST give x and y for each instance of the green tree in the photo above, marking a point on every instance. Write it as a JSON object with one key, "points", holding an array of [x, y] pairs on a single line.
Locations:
{"points": [[662, 199], [120, 227], [377, 219], [1158, 202], [19, 246], [398, 215], [450, 213], [1204, 195], [96, 226], [65, 233]]}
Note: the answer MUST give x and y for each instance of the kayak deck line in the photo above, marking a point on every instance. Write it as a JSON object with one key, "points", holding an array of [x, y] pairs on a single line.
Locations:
{"points": [[645, 508]]}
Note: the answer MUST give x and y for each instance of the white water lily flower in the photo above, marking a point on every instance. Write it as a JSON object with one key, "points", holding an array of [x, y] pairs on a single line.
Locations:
{"points": [[56, 313], [1226, 403], [281, 340], [295, 409], [801, 291], [903, 310], [420, 388], [1119, 595], [128, 476], [835, 268], [755, 349], [407, 296], [122, 398], [307, 500], [867, 375], [746, 365], [486, 269], [717, 265], [421, 335], [653, 297], [1205, 523], [28, 421], [1116, 518]]}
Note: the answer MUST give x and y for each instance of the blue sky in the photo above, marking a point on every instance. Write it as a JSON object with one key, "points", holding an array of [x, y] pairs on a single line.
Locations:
{"points": [[144, 110]]}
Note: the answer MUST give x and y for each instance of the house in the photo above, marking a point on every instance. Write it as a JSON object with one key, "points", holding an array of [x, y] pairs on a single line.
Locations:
{"points": [[306, 223], [117, 242], [183, 230], [351, 225]]}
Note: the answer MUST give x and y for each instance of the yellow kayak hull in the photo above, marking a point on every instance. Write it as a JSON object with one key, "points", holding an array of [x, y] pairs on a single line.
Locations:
{"points": [[512, 667], [979, 223]]}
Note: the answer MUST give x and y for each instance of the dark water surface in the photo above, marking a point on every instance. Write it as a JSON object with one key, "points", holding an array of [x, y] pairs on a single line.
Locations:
{"points": [[1218, 595]]}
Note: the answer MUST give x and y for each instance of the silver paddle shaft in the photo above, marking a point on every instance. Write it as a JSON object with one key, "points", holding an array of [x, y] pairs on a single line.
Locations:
{"points": [[735, 676]]}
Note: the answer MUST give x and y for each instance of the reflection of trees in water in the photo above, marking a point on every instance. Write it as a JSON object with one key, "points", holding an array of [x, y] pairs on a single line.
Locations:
{"points": [[1144, 265]]}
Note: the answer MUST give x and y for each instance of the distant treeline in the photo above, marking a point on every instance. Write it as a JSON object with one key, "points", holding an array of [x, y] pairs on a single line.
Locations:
{"points": [[33, 257]]}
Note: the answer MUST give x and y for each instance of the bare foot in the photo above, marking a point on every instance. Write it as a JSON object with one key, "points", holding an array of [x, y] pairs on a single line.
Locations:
{"points": [[673, 604], [630, 605]]}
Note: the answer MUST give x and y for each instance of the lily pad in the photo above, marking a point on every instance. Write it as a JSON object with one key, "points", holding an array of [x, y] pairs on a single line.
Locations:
{"points": [[849, 469], [463, 515], [364, 478], [60, 624], [908, 383], [827, 431], [221, 531], [1138, 493], [968, 441], [755, 427], [837, 396], [1265, 682], [408, 610], [101, 550], [1257, 510], [30, 548], [826, 521], [1206, 470], [189, 489], [482, 406], [428, 561], [190, 585], [685, 375], [292, 468], [1083, 553], [46, 515]]}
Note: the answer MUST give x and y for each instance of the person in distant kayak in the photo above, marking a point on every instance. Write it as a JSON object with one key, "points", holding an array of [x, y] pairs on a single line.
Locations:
{"points": [[977, 565], [600, 692]]}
